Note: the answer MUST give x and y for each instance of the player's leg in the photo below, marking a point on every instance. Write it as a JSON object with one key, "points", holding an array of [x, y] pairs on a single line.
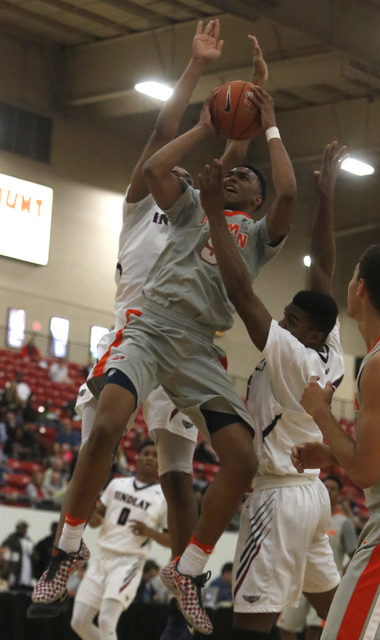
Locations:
{"points": [[110, 612], [86, 405], [233, 445], [175, 456], [238, 465], [116, 403], [82, 621], [88, 600]]}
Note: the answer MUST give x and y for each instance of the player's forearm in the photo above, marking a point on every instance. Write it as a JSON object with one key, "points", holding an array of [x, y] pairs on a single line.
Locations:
{"points": [[322, 248], [231, 266], [280, 217], [343, 447], [171, 155], [174, 108], [161, 537], [234, 154]]}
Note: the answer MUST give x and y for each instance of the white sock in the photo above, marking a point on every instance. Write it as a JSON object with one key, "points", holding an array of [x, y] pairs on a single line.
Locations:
{"points": [[192, 561], [71, 537]]}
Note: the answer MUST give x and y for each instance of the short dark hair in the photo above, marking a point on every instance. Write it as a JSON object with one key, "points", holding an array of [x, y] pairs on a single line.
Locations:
{"points": [[227, 567], [260, 177], [320, 308], [369, 271], [146, 443], [335, 479]]}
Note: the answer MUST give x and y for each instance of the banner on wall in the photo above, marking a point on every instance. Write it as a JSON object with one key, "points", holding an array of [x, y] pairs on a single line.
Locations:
{"points": [[25, 219]]}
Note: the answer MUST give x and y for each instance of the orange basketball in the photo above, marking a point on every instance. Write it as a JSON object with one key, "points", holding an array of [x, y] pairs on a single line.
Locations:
{"points": [[232, 113]]}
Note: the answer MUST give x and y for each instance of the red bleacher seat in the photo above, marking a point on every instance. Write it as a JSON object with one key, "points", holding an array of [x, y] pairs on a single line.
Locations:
{"points": [[19, 480], [24, 466]]}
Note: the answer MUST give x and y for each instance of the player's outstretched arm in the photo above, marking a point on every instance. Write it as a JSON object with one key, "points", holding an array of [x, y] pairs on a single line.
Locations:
{"points": [[163, 185], [236, 150], [360, 457], [281, 213], [205, 49], [236, 278], [322, 250]]}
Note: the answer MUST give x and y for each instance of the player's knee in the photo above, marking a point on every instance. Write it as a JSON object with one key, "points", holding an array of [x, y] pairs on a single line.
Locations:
{"points": [[104, 436], [107, 625]]}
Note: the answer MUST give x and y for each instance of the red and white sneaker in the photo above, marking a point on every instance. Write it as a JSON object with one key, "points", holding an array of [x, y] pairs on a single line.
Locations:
{"points": [[49, 597], [187, 590]]}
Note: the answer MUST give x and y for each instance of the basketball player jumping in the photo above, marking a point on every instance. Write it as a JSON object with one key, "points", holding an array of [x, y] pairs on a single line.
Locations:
{"points": [[275, 560]]}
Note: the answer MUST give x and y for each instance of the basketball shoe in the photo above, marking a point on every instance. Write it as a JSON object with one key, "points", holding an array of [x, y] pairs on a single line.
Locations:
{"points": [[177, 627], [187, 590], [49, 597]]}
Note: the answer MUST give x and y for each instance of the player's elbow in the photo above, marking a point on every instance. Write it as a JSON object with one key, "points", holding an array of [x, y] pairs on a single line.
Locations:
{"points": [[151, 171]]}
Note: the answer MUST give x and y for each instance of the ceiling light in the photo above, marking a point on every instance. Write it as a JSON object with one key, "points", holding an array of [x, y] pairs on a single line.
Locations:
{"points": [[357, 167], [307, 261], [155, 90]]}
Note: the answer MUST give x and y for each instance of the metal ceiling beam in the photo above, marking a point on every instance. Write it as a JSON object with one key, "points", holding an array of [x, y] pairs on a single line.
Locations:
{"points": [[7, 7], [155, 19], [350, 26], [74, 10]]}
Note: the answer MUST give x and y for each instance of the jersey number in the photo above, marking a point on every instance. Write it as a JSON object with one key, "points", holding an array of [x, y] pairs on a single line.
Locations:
{"points": [[124, 515], [208, 253]]}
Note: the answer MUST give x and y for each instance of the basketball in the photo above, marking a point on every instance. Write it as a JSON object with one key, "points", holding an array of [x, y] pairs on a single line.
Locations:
{"points": [[232, 113]]}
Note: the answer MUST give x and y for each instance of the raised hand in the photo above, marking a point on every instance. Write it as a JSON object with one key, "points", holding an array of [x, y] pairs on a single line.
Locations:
{"points": [[263, 101], [206, 44], [325, 178], [259, 66], [212, 189]]}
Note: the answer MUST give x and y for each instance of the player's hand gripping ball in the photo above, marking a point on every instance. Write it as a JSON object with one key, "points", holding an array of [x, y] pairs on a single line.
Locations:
{"points": [[233, 115]]}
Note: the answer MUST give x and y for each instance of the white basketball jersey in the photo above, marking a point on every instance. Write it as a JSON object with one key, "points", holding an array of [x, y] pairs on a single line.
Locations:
{"points": [[142, 239], [126, 499], [274, 393]]}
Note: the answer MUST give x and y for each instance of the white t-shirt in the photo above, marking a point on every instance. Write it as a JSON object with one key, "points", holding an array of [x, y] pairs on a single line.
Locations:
{"points": [[127, 499], [274, 393]]}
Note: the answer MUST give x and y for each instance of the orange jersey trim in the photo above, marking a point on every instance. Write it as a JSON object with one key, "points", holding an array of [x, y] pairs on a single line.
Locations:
{"points": [[361, 600], [99, 367]]}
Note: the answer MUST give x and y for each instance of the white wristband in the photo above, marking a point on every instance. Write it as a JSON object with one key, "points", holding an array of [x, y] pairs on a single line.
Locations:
{"points": [[272, 132]]}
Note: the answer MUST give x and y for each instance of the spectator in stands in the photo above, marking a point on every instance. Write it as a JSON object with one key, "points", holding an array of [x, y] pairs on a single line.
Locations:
{"points": [[224, 583], [4, 568], [55, 481], [43, 550], [20, 444], [29, 351], [3, 466], [47, 417], [10, 396], [19, 557], [35, 491], [12, 421], [3, 427], [55, 453], [146, 592], [24, 391], [59, 371], [68, 435]]}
